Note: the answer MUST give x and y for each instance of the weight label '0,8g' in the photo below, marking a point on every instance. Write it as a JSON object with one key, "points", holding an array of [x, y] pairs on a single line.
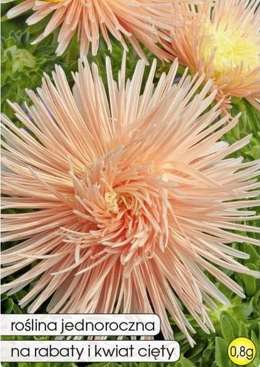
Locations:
{"points": [[241, 351]]}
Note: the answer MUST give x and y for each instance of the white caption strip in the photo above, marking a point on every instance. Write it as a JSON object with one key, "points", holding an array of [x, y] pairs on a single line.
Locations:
{"points": [[90, 351], [80, 324]]}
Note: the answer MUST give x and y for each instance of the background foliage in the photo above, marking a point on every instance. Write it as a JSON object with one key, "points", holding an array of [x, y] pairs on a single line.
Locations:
{"points": [[22, 67]]}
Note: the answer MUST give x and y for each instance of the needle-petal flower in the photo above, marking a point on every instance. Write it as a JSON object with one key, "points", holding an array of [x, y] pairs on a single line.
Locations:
{"points": [[137, 21], [125, 197], [221, 39]]}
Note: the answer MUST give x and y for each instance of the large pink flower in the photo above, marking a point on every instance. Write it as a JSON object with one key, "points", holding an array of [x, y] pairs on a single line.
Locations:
{"points": [[125, 199], [135, 20]]}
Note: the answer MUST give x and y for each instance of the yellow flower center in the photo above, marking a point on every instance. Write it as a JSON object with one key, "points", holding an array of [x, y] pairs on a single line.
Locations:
{"points": [[111, 201], [229, 48]]}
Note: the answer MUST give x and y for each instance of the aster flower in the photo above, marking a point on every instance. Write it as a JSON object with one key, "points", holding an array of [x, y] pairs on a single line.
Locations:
{"points": [[136, 21], [125, 198], [222, 40]]}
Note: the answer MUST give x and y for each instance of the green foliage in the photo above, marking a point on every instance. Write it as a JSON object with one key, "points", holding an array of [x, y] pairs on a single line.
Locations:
{"points": [[23, 65]]}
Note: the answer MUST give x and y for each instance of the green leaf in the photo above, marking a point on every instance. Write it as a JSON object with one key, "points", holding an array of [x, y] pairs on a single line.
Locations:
{"points": [[229, 326], [8, 305], [184, 362], [19, 58], [256, 341], [251, 250], [221, 353], [249, 281], [243, 330], [256, 302]]}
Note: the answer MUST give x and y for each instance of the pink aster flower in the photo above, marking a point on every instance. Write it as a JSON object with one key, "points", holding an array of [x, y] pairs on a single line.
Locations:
{"points": [[138, 21], [222, 40], [125, 197]]}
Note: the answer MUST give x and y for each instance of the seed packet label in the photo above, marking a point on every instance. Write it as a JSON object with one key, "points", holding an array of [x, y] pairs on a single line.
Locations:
{"points": [[90, 351], [80, 324]]}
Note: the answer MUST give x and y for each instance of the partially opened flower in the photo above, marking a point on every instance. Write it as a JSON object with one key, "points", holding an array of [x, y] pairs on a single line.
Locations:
{"points": [[125, 198], [222, 41], [138, 21]]}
